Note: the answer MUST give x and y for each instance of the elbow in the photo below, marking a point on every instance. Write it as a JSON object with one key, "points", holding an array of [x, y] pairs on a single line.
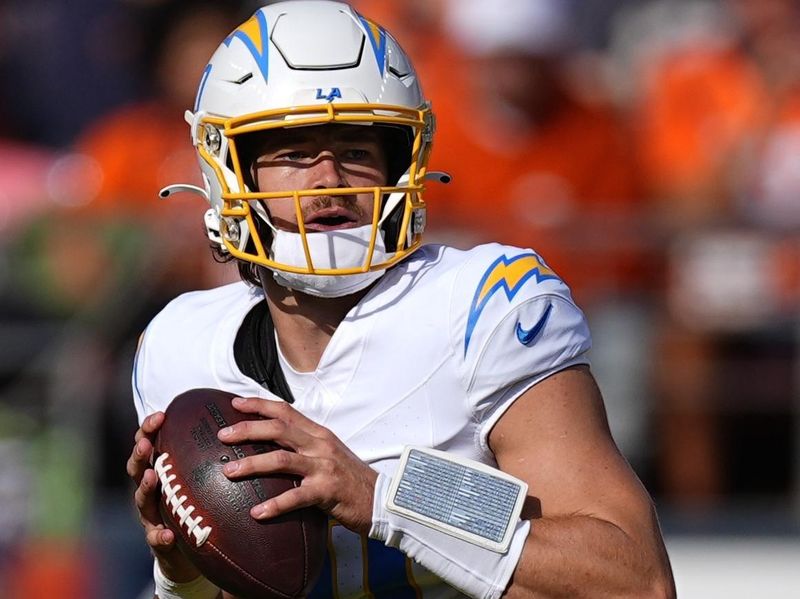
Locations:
{"points": [[661, 582], [662, 586], [662, 591], [657, 580]]}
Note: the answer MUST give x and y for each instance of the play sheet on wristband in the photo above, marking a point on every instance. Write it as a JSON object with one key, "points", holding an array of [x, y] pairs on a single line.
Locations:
{"points": [[460, 497]]}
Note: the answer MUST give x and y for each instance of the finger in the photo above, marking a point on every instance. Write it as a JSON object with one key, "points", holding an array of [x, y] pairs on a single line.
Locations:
{"points": [[281, 410], [150, 425], [160, 539], [293, 499], [278, 461], [139, 460], [158, 536], [280, 432], [146, 499]]}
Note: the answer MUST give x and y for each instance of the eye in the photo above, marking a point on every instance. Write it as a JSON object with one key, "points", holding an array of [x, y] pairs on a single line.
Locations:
{"points": [[294, 155], [358, 154]]}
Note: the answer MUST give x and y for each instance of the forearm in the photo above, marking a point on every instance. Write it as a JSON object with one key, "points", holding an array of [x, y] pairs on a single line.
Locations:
{"points": [[582, 556], [599, 536]]}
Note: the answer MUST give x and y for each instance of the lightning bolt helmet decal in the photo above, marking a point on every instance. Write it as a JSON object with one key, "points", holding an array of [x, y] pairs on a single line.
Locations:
{"points": [[254, 34], [377, 39]]}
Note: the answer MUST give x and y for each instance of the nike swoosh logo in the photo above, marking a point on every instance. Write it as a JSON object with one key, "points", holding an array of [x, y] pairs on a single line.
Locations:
{"points": [[527, 336]]}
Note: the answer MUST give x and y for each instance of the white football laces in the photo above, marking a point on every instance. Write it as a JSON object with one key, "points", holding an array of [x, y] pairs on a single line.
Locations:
{"points": [[176, 502]]}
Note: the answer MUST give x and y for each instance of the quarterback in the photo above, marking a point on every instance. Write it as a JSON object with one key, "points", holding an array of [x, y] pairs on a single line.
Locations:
{"points": [[356, 342]]}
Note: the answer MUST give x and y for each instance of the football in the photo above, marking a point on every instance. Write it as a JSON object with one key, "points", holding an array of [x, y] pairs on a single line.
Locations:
{"points": [[210, 514]]}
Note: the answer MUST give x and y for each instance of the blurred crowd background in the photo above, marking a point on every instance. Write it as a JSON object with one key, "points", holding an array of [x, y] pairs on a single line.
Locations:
{"points": [[650, 150]]}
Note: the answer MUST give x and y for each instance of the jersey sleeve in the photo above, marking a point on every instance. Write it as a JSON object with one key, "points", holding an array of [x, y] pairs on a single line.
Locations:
{"points": [[520, 327], [188, 345], [172, 356], [166, 359], [142, 410]]}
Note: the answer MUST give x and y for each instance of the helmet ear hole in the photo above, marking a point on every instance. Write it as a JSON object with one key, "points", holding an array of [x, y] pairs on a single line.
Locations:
{"points": [[263, 230], [391, 226], [247, 152], [397, 142]]}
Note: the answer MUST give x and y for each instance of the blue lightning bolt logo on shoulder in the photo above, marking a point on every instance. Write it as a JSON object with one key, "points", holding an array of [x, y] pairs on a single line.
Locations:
{"points": [[509, 274]]}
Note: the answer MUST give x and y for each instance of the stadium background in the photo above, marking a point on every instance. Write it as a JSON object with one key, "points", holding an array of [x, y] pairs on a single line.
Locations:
{"points": [[649, 149]]}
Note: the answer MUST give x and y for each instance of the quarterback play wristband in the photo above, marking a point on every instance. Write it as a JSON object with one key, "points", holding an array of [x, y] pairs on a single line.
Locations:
{"points": [[199, 588], [457, 518]]}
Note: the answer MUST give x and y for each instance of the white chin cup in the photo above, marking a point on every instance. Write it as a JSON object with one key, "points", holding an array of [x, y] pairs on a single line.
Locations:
{"points": [[343, 248]]}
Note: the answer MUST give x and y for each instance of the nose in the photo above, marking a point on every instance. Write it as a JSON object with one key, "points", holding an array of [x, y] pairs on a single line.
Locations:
{"points": [[327, 172]]}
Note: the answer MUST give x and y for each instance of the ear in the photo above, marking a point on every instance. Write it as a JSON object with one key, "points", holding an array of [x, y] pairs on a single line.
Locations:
{"points": [[252, 176]]}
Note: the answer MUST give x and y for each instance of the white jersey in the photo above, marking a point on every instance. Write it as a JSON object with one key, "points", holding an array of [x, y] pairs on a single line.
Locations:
{"points": [[433, 355]]}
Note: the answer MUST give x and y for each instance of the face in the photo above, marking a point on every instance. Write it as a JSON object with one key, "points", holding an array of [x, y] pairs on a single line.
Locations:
{"points": [[319, 157]]}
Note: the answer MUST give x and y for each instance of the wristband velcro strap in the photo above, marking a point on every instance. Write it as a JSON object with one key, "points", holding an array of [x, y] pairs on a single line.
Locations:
{"points": [[472, 565], [199, 588], [458, 496]]}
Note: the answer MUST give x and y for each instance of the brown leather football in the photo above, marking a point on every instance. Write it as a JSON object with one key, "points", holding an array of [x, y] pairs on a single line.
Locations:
{"points": [[210, 514]]}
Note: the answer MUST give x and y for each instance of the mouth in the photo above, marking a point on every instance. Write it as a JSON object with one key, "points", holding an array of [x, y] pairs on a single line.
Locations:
{"points": [[331, 219]]}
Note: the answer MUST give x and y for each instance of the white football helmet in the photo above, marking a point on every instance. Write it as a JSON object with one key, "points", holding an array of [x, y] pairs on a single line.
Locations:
{"points": [[298, 63]]}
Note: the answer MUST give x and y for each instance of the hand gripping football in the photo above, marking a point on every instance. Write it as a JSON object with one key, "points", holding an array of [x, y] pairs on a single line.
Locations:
{"points": [[210, 514]]}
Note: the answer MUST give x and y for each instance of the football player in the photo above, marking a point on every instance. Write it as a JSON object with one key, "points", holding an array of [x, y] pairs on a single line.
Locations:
{"points": [[365, 350]]}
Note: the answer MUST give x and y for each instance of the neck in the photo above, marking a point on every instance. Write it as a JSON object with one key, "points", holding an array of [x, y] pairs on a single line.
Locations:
{"points": [[304, 323]]}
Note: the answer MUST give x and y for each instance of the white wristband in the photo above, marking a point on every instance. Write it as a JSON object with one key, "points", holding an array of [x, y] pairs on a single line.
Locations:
{"points": [[199, 588], [474, 570]]}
